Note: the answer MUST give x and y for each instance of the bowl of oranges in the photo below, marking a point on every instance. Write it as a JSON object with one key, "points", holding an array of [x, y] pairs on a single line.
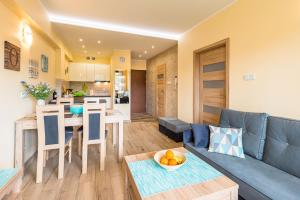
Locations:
{"points": [[170, 159]]}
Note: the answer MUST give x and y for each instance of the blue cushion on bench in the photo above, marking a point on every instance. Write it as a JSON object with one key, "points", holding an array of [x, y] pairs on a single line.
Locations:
{"points": [[6, 175]]}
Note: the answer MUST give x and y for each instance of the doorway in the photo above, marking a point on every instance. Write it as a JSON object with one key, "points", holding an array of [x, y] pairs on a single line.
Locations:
{"points": [[211, 82], [138, 91], [161, 91]]}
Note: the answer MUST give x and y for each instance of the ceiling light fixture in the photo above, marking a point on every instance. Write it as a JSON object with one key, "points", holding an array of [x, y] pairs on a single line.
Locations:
{"points": [[83, 46], [85, 51], [99, 42], [80, 39], [98, 52], [140, 55], [111, 27], [152, 46], [145, 52]]}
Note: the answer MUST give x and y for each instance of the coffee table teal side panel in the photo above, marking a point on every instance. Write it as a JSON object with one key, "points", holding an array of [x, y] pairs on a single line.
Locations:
{"points": [[151, 179]]}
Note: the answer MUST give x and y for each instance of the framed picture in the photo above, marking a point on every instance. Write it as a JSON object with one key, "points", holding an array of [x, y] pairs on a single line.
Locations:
{"points": [[44, 63], [11, 56], [33, 69]]}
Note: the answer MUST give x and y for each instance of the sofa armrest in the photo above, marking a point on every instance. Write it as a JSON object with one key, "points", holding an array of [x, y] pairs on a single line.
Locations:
{"points": [[188, 136]]}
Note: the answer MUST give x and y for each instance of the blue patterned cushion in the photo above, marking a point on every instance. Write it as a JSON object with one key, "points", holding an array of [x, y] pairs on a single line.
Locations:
{"points": [[226, 141]]}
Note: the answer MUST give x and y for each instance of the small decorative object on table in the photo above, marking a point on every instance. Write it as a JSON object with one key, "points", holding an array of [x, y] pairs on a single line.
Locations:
{"points": [[76, 109], [40, 92]]}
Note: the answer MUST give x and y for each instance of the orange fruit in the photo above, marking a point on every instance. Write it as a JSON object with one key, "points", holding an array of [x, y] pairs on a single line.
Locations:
{"points": [[172, 162], [163, 160], [169, 154]]}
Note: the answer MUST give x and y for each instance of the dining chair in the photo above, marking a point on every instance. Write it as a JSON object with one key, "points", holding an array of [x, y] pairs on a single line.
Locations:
{"points": [[93, 132], [52, 135], [67, 102], [91, 100]]}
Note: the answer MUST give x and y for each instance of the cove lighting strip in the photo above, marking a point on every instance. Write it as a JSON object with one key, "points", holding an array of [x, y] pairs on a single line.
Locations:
{"points": [[111, 27]]}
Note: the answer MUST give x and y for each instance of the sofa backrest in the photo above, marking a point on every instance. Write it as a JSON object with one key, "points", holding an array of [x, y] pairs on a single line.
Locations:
{"points": [[282, 149], [254, 129]]}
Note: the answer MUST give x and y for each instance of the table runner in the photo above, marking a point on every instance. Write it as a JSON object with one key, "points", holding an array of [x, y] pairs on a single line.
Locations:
{"points": [[151, 179]]}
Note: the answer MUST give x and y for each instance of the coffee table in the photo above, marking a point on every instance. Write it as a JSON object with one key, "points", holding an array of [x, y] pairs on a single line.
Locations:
{"points": [[145, 180]]}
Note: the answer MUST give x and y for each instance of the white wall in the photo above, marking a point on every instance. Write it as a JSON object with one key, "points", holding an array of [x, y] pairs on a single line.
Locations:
{"points": [[12, 106]]}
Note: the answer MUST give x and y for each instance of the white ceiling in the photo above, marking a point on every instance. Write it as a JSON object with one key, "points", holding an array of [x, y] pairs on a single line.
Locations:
{"points": [[109, 40], [160, 16]]}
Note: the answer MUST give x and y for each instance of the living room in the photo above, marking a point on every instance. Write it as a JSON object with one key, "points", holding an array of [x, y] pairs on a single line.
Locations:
{"points": [[198, 99]]}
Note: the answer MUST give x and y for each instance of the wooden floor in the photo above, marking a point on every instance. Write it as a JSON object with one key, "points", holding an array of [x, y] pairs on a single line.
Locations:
{"points": [[139, 137]]}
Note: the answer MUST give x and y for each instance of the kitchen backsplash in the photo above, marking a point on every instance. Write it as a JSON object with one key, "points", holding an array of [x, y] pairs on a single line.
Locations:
{"points": [[97, 88]]}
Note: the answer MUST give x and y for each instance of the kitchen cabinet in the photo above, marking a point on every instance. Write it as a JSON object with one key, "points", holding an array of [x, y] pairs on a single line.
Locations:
{"points": [[89, 72], [102, 72], [77, 72]]}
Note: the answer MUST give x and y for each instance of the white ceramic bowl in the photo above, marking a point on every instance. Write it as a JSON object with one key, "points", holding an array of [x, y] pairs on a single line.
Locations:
{"points": [[160, 154]]}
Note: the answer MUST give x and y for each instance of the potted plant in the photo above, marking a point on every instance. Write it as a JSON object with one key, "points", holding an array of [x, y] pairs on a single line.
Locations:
{"points": [[40, 92]]}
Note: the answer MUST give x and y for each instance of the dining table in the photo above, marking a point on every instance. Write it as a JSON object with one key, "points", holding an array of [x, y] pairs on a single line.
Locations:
{"points": [[29, 122]]}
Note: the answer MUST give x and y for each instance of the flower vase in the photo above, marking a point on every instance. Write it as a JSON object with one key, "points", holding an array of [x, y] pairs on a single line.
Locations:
{"points": [[41, 102]]}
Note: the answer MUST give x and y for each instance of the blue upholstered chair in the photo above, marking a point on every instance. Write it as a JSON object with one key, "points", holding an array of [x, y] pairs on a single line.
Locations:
{"points": [[93, 132], [52, 134]]}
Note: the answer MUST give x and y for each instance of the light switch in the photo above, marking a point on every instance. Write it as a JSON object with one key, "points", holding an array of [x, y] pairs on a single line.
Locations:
{"points": [[249, 77]]}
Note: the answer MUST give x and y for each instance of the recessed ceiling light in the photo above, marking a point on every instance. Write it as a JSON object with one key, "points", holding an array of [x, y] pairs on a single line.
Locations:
{"points": [[85, 51], [145, 52], [98, 52], [140, 55], [80, 39], [152, 46], [99, 42], [112, 27], [83, 46]]}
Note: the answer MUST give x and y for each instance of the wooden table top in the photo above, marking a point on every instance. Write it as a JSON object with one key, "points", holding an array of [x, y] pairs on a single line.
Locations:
{"points": [[216, 189]]}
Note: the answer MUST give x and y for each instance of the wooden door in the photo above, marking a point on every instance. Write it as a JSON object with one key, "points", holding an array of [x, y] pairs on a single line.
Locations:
{"points": [[138, 91], [213, 83], [161, 91]]}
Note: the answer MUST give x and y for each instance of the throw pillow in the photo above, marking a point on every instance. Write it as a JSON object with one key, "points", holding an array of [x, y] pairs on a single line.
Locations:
{"points": [[226, 141], [201, 135]]}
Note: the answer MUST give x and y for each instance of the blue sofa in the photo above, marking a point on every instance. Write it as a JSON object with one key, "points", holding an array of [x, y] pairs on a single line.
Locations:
{"points": [[271, 169]]}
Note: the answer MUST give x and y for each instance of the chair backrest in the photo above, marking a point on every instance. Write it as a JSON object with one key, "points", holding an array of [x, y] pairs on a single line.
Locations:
{"points": [[50, 123], [94, 122], [92, 100], [67, 102]]}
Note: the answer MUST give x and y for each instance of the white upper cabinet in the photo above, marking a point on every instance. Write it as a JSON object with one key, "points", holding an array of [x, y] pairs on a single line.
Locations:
{"points": [[89, 72], [77, 72], [102, 72]]}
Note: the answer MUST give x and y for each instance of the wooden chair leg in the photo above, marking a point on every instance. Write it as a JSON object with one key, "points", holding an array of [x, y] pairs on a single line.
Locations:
{"points": [[45, 158], [39, 167], [84, 157], [79, 143], [61, 162], [102, 155], [70, 151]]}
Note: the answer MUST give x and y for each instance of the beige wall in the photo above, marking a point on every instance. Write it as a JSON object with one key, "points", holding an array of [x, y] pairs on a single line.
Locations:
{"points": [[168, 57], [12, 106], [138, 64], [264, 40]]}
